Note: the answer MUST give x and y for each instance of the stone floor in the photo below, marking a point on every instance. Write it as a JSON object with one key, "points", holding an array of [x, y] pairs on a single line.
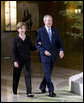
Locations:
{"points": [[60, 79]]}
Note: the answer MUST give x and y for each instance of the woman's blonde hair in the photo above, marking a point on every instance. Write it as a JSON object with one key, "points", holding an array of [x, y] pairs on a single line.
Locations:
{"points": [[20, 24]]}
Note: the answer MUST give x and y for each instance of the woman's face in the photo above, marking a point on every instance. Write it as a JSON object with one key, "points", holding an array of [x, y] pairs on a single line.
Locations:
{"points": [[22, 30]]}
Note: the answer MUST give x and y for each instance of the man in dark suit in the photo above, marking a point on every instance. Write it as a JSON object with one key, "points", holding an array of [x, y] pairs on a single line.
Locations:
{"points": [[48, 42]]}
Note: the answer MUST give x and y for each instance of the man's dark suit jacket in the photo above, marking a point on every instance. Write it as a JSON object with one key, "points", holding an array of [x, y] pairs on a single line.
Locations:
{"points": [[52, 47]]}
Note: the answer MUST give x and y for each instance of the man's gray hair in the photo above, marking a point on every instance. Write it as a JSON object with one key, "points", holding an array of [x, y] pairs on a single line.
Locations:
{"points": [[44, 18]]}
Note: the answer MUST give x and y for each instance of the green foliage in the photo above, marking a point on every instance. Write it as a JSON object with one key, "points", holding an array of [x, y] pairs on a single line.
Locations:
{"points": [[77, 18]]}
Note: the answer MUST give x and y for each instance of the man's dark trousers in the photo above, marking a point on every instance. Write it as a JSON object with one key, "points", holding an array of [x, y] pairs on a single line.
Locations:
{"points": [[48, 67]]}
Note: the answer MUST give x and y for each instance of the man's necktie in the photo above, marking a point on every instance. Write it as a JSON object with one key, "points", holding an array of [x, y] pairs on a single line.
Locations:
{"points": [[50, 34]]}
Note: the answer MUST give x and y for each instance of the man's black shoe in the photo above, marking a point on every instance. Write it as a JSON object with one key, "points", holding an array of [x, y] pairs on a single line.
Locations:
{"points": [[43, 91], [52, 94]]}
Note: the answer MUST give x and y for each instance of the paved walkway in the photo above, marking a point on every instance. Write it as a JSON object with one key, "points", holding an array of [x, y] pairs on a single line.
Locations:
{"points": [[60, 77]]}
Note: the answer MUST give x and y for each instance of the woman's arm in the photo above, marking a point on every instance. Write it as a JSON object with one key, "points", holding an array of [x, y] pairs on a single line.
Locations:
{"points": [[14, 50], [15, 53]]}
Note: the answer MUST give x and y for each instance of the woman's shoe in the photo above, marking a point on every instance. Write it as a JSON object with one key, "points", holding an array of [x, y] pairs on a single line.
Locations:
{"points": [[30, 95], [15, 93]]}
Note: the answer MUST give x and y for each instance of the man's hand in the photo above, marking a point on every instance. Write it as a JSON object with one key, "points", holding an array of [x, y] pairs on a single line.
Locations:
{"points": [[47, 53], [39, 43], [61, 54], [16, 64]]}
